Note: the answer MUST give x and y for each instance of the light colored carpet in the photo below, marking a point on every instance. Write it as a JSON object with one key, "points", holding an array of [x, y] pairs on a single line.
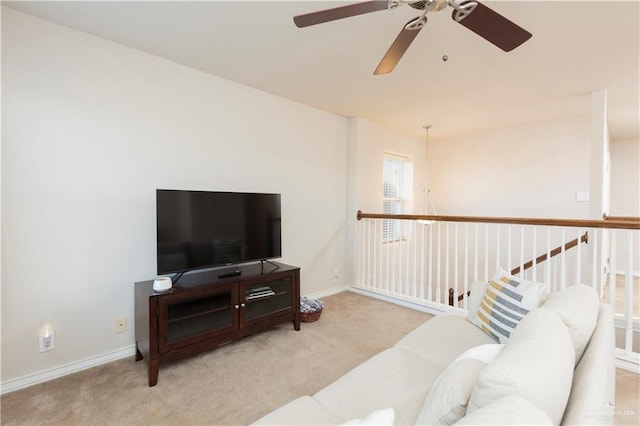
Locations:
{"points": [[234, 384], [627, 406], [240, 382]]}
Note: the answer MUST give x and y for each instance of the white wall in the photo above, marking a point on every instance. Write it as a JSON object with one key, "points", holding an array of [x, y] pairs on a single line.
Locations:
{"points": [[91, 129], [625, 193], [625, 177], [532, 170]]}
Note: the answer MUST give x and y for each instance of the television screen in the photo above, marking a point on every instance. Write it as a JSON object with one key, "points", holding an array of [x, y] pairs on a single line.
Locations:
{"points": [[200, 229]]}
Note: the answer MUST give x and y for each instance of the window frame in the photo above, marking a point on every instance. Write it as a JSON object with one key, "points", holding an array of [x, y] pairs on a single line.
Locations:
{"points": [[399, 195]]}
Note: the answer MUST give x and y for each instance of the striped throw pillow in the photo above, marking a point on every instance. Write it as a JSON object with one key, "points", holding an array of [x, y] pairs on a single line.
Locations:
{"points": [[506, 301]]}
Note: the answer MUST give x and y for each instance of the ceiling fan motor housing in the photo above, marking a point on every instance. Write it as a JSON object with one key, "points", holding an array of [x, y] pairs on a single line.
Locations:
{"points": [[430, 5]]}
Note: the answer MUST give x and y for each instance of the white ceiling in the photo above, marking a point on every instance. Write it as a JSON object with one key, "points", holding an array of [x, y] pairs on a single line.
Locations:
{"points": [[577, 47]]}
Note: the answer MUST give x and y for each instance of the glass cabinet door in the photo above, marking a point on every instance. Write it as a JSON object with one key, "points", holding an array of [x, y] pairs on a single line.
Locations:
{"points": [[191, 319], [267, 298]]}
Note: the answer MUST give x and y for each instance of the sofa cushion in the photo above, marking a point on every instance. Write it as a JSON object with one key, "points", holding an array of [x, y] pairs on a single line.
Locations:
{"points": [[382, 417], [506, 301], [447, 400], [536, 363], [443, 338], [393, 378], [578, 307], [509, 410], [302, 411]]}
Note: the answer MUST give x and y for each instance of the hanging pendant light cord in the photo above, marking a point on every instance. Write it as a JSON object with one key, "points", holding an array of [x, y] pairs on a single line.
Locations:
{"points": [[425, 190]]}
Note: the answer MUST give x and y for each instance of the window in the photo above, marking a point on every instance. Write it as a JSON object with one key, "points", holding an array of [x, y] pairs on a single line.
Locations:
{"points": [[396, 194]]}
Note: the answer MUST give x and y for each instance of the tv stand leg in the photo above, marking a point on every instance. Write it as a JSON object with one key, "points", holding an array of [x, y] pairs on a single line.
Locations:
{"points": [[296, 323], [154, 366]]}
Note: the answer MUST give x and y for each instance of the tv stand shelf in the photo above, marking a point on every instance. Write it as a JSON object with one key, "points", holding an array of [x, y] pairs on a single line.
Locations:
{"points": [[207, 309]]}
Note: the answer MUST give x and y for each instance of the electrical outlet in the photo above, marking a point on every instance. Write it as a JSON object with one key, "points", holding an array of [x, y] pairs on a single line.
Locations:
{"points": [[47, 341], [121, 324], [336, 274]]}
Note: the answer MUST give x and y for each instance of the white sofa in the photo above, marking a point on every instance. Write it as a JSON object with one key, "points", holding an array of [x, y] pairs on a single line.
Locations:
{"points": [[542, 375]]}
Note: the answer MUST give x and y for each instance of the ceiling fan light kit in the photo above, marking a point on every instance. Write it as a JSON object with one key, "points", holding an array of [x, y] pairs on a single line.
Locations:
{"points": [[473, 15]]}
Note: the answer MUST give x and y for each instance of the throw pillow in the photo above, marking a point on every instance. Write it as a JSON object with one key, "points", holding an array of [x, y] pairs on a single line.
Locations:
{"points": [[477, 289], [536, 364], [578, 306], [384, 417], [510, 410], [446, 402], [506, 301]]}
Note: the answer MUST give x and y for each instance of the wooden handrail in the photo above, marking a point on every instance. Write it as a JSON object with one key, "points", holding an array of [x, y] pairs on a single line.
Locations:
{"points": [[633, 223], [556, 251], [584, 238], [622, 218]]}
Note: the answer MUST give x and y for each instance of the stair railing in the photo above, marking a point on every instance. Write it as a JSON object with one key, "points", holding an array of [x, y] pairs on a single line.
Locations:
{"points": [[538, 260], [426, 255]]}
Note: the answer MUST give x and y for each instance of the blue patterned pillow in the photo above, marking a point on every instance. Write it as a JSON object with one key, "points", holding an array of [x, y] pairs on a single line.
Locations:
{"points": [[506, 301]]}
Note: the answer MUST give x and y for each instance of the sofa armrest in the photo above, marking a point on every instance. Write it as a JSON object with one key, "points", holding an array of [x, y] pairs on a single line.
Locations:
{"points": [[593, 388]]}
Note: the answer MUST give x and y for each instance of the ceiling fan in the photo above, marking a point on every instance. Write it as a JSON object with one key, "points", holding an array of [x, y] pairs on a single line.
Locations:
{"points": [[477, 17]]}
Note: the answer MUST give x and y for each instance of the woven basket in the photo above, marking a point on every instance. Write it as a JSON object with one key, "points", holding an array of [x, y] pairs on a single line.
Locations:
{"points": [[310, 316]]}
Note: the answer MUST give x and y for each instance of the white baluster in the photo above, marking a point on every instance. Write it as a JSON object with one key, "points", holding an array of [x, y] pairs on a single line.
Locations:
{"points": [[455, 266], [497, 245], [486, 252], [475, 258], [438, 299], [563, 259], [422, 283], [593, 240], [381, 281], [521, 251], [465, 279], [534, 265], [388, 263], [361, 278], [408, 244], [548, 264], [399, 246], [430, 270], [509, 248], [578, 278], [368, 250], [613, 265], [446, 268], [628, 286]]}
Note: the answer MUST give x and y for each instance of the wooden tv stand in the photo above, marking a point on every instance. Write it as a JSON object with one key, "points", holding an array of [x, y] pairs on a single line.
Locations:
{"points": [[205, 310]]}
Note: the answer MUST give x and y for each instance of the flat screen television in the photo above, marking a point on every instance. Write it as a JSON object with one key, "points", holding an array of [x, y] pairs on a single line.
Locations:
{"points": [[202, 229]]}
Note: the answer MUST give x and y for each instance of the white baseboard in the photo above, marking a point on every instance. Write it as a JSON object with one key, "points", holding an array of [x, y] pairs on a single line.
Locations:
{"points": [[634, 274], [329, 292], [429, 309], [627, 361], [63, 370]]}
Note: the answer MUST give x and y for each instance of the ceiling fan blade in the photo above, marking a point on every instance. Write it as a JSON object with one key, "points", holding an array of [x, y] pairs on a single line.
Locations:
{"points": [[339, 13], [492, 26], [397, 49]]}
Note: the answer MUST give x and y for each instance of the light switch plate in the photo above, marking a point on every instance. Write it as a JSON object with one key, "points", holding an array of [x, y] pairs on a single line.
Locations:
{"points": [[582, 197]]}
